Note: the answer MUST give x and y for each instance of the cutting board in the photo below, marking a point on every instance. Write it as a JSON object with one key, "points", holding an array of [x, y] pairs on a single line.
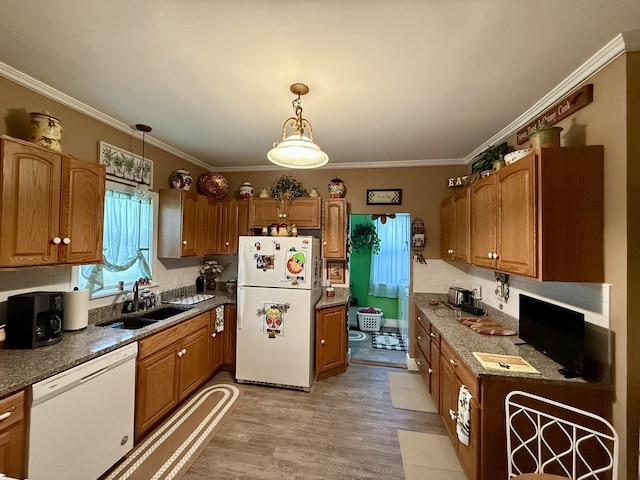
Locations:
{"points": [[486, 326]]}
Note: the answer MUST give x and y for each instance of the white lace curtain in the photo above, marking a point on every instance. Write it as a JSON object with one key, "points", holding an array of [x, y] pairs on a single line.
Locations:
{"points": [[124, 217], [391, 266]]}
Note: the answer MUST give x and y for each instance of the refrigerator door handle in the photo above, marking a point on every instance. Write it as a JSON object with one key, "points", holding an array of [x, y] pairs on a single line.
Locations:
{"points": [[240, 313]]}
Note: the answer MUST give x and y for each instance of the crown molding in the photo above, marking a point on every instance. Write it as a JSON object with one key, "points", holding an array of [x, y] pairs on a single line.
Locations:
{"points": [[355, 165], [68, 101], [597, 62]]}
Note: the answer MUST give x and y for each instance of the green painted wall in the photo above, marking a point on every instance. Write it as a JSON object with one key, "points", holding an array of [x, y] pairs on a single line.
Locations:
{"points": [[359, 270]]}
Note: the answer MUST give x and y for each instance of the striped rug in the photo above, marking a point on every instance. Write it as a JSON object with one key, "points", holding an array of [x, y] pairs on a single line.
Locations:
{"points": [[168, 452]]}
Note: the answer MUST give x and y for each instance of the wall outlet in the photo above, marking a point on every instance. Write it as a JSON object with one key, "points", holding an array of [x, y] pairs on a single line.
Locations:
{"points": [[477, 291]]}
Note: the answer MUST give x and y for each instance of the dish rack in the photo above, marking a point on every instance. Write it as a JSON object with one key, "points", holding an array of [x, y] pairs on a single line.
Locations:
{"points": [[369, 321]]}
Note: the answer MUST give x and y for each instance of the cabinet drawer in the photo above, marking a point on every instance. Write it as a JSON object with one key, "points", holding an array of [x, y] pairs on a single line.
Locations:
{"points": [[461, 370], [423, 340], [14, 407], [423, 368], [150, 345], [435, 336], [422, 320]]}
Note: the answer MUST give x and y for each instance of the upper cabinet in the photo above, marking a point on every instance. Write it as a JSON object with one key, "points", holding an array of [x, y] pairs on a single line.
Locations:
{"points": [[193, 225], [334, 228], [52, 207], [304, 212], [454, 227], [542, 217]]}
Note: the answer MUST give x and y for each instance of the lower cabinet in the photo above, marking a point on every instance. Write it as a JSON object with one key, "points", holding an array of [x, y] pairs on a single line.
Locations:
{"points": [[216, 344], [229, 338], [332, 340], [444, 371], [12, 436], [171, 365]]}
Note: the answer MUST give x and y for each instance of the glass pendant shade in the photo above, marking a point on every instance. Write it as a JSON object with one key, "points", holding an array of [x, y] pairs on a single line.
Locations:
{"points": [[297, 151]]}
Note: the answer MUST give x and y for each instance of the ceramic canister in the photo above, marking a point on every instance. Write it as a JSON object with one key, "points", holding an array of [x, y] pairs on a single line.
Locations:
{"points": [[181, 179], [546, 137], [246, 190], [46, 131]]}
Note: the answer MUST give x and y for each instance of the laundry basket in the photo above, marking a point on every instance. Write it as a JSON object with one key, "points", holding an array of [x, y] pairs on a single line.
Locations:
{"points": [[369, 319]]}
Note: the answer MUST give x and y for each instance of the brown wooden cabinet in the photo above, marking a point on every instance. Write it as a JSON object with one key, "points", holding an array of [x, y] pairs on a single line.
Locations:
{"points": [[334, 228], [229, 349], [304, 212], [52, 207], [12, 435], [178, 232], [542, 216], [331, 341], [454, 227], [446, 228], [171, 365], [428, 342], [227, 228]]}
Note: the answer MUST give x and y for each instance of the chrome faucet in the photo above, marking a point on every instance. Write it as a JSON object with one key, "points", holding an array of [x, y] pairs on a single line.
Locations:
{"points": [[135, 296]]}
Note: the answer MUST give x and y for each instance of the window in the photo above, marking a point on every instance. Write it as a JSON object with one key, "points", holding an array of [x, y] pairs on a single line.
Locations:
{"points": [[391, 266], [127, 243]]}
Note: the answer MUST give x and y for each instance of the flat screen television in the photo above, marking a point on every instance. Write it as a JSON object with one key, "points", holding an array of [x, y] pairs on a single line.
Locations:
{"points": [[555, 331]]}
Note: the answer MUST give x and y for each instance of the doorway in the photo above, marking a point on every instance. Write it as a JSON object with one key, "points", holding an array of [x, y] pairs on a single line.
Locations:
{"points": [[379, 272]]}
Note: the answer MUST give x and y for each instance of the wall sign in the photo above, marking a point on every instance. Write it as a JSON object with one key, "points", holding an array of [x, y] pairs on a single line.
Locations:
{"points": [[384, 197], [567, 106]]}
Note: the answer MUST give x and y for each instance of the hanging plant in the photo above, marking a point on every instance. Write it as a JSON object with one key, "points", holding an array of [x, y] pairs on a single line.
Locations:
{"points": [[365, 237], [287, 188]]}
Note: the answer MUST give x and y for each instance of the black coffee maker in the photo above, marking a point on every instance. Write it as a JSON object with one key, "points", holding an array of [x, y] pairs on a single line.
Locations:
{"points": [[34, 319]]}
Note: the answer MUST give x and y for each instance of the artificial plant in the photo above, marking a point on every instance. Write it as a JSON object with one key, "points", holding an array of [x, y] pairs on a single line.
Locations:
{"points": [[365, 237]]}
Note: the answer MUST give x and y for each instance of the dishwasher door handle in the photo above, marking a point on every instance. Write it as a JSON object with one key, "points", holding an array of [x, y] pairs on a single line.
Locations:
{"points": [[94, 375]]}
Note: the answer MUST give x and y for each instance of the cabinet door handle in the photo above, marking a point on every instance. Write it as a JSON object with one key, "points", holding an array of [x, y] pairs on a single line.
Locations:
{"points": [[66, 240], [184, 242], [490, 255], [495, 255], [322, 341], [418, 362], [56, 240], [419, 337], [226, 244], [453, 415], [433, 335], [453, 362], [6, 415], [284, 215], [180, 353], [430, 370], [214, 334], [324, 243], [184, 351]]}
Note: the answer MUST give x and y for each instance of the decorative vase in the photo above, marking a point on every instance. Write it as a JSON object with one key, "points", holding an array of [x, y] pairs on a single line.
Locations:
{"points": [[181, 179], [246, 191], [336, 188], [213, 184], [314, 192], [232, 286], [211, 283], [546, 137], [264, 193], [46, 131]]}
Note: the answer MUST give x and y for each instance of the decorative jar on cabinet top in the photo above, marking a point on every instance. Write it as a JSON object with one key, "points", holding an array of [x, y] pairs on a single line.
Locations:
{"points": [[336, 188], [264, 193], [246, 190], [181, 179], [213, 185], [46, 131]]}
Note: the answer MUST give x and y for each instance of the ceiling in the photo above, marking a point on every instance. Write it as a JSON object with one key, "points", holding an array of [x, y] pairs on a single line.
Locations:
{"points": [[406, 81]]}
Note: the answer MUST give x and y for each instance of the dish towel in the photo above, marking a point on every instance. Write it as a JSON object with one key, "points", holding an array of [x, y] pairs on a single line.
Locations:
{"points": [[464, 415]]}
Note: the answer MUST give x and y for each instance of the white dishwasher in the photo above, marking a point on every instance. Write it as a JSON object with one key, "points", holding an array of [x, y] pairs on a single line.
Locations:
{"points": [[81, 420]]}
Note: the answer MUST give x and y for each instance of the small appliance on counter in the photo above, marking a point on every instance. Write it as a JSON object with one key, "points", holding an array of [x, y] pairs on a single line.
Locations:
{"points": [[34, 319], [458, 296]]}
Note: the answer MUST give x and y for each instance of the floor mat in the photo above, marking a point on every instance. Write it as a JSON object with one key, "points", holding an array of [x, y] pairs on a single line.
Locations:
{"points": [[171, 449], [356, 336], [409, 392], [425, 455], [387, 341]]}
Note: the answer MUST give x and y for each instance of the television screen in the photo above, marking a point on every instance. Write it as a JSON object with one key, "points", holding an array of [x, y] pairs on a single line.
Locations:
{"points": [[555, 331]]}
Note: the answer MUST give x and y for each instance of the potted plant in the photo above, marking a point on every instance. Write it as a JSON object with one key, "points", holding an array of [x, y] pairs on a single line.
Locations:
{"points": [[287, 188], [365, 237], [489, 156], [210, 270]]}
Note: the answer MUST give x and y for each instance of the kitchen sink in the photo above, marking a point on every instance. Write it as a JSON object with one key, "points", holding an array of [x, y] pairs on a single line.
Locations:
{"points": [[163, 313], [129, 323]]}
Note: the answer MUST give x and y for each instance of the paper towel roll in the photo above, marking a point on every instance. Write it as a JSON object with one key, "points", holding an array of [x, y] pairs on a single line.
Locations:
{"points": [[76, 309]]}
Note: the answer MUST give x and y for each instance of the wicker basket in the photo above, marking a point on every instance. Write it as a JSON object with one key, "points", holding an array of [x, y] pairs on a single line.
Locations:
{"points": [[369, 322]]}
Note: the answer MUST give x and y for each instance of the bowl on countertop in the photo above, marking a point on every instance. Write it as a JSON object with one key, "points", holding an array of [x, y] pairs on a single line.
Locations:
{"points": [[509, 158]]}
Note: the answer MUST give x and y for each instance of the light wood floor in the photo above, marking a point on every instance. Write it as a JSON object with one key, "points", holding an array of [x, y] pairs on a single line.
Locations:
{"points": [[344, 428]]}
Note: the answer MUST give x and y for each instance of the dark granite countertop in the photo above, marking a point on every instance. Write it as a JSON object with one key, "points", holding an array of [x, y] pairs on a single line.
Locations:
{"points": [[20, 368], [341, 297], [464, 341]]}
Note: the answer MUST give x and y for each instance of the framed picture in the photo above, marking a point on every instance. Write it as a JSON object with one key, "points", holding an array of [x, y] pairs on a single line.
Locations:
{"points": [[335, 271], [391, 196], [125, 167]]}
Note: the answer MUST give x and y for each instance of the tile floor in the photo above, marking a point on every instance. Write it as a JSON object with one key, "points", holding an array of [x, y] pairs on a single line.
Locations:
{"points": [[362, 350]]}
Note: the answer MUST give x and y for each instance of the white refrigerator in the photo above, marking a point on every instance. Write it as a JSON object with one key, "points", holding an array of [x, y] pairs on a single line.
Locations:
{"points": [[279, 284]]}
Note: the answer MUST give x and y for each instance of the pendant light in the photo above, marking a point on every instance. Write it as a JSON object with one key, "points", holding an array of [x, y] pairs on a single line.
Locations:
{"points": [[297, 150], [142, 189]]}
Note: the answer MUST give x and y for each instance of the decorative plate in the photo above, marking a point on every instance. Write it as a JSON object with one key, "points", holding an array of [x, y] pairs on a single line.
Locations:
{"points": [[213, 184]]}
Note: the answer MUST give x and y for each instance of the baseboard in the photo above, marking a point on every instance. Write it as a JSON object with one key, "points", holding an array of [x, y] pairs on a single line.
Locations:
{"points": [[411, 364]]}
